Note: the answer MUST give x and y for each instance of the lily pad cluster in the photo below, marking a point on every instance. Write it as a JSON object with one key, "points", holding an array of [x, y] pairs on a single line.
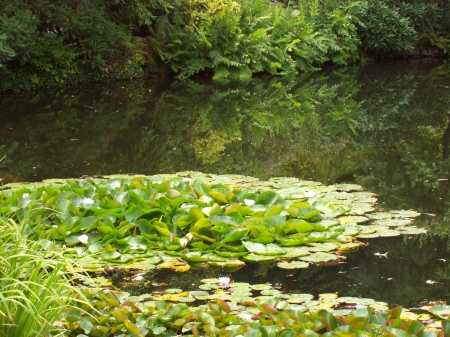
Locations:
{"points": [[172, 221], [230, 313]]}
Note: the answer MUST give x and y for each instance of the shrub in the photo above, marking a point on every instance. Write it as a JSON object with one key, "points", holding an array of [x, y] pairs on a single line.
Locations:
{"points": [[384, 31]]}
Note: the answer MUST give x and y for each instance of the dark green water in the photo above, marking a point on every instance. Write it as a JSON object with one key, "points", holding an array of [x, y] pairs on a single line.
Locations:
{"points": [[384, 127]]}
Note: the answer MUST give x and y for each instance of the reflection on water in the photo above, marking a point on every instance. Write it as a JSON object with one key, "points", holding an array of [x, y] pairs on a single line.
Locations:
{"points": [[384, 127]]}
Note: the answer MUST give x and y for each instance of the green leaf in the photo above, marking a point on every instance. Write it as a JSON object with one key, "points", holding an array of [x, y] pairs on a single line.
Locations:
{"points": [[267, 198], [206, 318], [234, 234]]}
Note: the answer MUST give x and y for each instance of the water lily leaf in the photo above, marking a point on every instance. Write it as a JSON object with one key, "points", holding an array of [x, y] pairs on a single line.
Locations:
{"points": [[292, 252], [194, 256], [388, 232], [393, 222], [234, 234], [350, 219], [322, 246], [162, 228], [225, 253], [368, 235], [158, 330], [187, 299], [348, 247], [379, 215], [206, 318], [173, 290], [137, 242], [261, 286], [223, 305], [441, 311], [319, 257], [267, 198], [218, 197], [86, 325], [110, 255], [258, 248], [292, 264], [298, 227], [404, 214], [238, 208], [274, 210], [299, 298], [412, 230], [293, 241], [308, 213], [258, 258], [328, 209]]}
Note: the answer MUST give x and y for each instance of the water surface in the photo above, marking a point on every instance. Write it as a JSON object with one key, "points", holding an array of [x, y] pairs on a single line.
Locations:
{"points": [[384, 127]]}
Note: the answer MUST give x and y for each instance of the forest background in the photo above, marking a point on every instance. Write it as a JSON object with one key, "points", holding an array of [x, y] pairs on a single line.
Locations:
{"points": [[47, 42]]}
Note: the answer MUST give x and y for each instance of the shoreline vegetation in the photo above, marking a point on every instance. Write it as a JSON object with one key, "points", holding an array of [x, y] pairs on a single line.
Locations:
{"points": [[43, 44]]}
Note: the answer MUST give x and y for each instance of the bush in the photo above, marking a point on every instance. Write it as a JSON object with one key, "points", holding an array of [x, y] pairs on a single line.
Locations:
{"points": [[384, 31]]}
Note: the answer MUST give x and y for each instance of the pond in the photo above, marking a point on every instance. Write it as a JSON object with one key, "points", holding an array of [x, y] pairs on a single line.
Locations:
{"points": [[384, 127]]}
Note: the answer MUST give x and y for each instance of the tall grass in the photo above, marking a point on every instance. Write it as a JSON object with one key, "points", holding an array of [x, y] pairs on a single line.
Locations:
{"points": [[35, 291]]}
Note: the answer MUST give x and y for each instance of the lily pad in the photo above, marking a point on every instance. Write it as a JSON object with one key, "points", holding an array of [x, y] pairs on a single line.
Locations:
{"points": [[319, 257], [258, 258], [292, 264], [260, 249]]}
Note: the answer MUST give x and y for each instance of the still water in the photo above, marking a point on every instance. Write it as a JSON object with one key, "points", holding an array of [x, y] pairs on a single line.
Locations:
{"points": [[384, 127]]}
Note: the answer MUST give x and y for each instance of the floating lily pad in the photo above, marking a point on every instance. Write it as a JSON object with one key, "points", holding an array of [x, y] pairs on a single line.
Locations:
{"points": [[258, 258], [388, 233], [404, 214], [260, 249], [319, 257], [412, 230], [261, 286], [352, 219], [292, 264], [379, 215], [393, 222]]}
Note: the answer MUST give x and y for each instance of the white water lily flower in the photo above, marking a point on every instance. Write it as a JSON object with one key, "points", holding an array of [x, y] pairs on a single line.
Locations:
{"points": [[25, 195], [189, 236], [245, 316], [205, 199], [224, 282], [183, 242], [310, 194], [249, 202], [83, 238], [88, 201]]}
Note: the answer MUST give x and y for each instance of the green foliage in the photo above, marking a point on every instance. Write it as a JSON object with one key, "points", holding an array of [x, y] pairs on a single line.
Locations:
{"points": [[237, 40], [42, 43], [34, 290], [384, 31]]}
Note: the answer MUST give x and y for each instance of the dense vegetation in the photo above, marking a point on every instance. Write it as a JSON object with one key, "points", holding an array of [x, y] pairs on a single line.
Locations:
{"points": [[45, 43]]}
